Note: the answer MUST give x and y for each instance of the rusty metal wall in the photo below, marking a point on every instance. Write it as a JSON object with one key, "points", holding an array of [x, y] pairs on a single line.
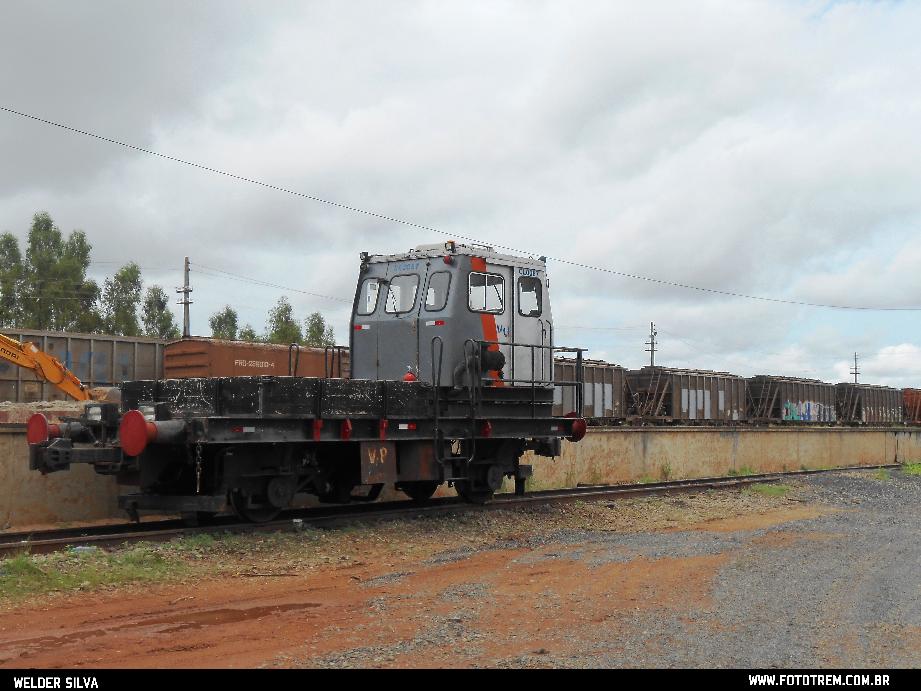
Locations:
{"points": [[686, 395], [207, 357], [97, 360], [787, 399], [604, 388], [867, 404]]}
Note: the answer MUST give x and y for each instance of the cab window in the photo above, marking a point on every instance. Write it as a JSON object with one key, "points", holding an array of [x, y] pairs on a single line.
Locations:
{"points": [[529, 296], [367, 298], [401, 297], [486, 293], [436, 297]]}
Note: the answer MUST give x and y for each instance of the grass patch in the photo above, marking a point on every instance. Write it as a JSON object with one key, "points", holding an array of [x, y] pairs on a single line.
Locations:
{"points": [[769, 489], [912, 469], [645, 480], [665, 472], [740, 472], [27, 574], [882, 474]]}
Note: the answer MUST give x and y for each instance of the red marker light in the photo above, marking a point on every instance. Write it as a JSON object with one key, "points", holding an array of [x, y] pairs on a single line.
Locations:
{"points": [[486, 429], [409, 376], [345, 430], [448, 259], [382, 426]]}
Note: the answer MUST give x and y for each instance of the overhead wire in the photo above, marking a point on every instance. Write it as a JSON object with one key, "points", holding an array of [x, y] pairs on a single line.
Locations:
{"points": [[420, 226]]}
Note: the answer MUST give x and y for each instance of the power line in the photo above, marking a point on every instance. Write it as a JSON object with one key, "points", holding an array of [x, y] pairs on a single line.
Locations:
{"points": [[220, 273], [420, 226]]}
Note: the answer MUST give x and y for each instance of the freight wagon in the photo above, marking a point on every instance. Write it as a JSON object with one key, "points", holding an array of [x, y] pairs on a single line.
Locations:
{"points": [[208, 357], [911, 406], [868, 405], [662, 394], [451, 382], [96, 360], [788, 399], [603, 392]]}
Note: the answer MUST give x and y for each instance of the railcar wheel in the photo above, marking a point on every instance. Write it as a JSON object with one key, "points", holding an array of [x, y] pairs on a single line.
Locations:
{"points": [[254, 513], [472, 496], [419, 491]]}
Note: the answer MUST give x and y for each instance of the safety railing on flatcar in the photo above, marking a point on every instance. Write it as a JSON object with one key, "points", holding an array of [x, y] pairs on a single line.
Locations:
{"points": [[533, 382], [473, 350]]}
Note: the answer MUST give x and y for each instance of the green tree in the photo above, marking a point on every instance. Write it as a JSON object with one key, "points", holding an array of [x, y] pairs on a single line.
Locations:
{"points": [[55, 293], [158, 320], [283, 327], [120, 299], [11, 276], [248, 333], [224, 324], [317, 332]]}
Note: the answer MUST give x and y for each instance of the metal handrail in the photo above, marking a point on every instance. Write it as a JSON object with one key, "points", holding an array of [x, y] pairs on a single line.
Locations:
{"points": [[292, 371], [579, 374], [330, 362]]}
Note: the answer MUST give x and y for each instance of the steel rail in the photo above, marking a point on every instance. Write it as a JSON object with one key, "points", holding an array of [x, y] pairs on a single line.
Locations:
{"points": [[45, 541]]}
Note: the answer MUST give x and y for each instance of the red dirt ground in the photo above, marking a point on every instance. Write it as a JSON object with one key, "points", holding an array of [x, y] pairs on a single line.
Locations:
{"points": [[476, 609]]}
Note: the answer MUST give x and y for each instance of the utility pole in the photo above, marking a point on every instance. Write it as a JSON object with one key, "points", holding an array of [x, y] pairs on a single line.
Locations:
{"points": [[185, 302], [855, 371], [652, 344]]}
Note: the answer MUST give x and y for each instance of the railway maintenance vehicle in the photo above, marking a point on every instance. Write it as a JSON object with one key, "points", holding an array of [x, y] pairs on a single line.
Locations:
{"points": [[452, 351]]}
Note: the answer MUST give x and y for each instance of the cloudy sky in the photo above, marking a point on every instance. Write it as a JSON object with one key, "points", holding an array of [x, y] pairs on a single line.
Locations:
{"points": [[765, 148]]}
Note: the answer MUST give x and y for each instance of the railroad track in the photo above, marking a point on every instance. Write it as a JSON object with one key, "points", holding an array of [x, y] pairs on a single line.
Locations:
{"points": [[44, 541]]}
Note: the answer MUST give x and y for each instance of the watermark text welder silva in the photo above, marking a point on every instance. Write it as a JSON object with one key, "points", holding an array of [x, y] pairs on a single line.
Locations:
{"points": [[54, 682]]}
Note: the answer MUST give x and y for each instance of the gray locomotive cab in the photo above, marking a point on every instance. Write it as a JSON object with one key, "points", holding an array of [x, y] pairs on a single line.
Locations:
{"points": [[444, 301]]}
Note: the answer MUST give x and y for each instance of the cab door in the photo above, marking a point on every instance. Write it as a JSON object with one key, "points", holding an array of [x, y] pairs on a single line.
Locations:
{"points": [[532, 326], [398, 319], [489, 296]]}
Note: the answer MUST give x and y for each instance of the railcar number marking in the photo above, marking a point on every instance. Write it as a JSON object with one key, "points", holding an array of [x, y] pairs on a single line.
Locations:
{"points": [[262, 364]]}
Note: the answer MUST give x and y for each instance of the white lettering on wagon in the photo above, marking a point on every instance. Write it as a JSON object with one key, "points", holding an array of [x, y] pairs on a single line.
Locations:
{"points": [[261, 364]]}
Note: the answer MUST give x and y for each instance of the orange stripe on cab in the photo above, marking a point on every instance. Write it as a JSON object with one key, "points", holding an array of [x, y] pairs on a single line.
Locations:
{"points": [[488, 321]]}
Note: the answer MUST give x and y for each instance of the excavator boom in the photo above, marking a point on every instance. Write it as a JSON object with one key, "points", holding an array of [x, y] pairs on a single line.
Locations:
{"points": [[46, 367]]}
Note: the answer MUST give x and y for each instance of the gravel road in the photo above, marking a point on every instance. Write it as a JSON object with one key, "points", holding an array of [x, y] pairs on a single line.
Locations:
{"points": [[841, 589]]}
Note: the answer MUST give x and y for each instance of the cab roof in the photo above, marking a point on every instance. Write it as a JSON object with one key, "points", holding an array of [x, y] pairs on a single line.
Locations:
{"points": [[431, 251]]}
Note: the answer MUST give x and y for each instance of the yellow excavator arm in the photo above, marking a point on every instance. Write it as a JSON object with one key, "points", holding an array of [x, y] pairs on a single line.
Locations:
{"points": [[46, 367]]}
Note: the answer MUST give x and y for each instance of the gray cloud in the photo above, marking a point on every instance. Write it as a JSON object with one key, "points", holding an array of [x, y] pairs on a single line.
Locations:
{"points": [[759, 147]]}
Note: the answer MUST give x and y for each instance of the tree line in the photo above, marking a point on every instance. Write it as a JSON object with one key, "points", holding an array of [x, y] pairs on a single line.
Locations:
{"points": [[282, 327], [45, 288]]}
